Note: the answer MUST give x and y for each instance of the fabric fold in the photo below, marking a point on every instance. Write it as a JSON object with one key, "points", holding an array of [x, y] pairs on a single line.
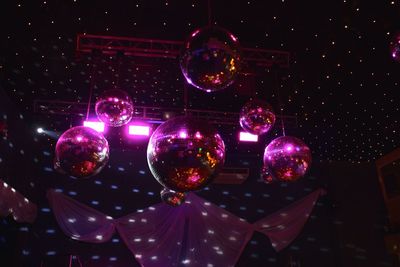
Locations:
{"points": [[12, 202], [79, 221], [197, 233], [283, 226]]}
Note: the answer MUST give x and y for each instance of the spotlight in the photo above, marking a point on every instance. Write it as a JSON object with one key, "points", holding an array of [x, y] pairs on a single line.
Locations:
{"points": [[96, 125], [139, 130], [47, 132], [248, 137]]}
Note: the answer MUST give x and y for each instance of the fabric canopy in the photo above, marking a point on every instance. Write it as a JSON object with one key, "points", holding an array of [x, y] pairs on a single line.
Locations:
{"points": [[12, 202], [79, 221], [197, 233], [283, 226]]}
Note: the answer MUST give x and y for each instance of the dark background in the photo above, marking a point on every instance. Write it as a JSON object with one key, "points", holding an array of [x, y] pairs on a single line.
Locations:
{"points": [[342, 85]]}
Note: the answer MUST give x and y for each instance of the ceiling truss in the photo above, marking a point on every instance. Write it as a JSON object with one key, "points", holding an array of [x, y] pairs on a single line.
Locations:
{"points": [[154, 48]]}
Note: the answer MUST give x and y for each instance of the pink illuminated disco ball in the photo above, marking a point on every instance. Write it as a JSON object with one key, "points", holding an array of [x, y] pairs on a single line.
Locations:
{"points": [[265, 175], [81, 152], [114, 108], [287, 158], [257, 117], [185, 154], [211, 59], [172, 198]]}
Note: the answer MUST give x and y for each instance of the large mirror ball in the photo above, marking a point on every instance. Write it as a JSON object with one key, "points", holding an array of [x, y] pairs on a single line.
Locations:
{"points": [[185, 154], [81, 152], [211, 59], [114, 108], [287, 158]]}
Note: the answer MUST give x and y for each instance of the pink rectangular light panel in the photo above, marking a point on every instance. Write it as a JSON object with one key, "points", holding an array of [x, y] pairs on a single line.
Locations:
{"points": [[139, 130], [247, 137], [96, 125]]}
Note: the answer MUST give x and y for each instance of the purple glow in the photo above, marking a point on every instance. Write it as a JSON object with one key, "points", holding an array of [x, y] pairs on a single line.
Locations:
{"points": [[287, 158], [140, 130], [195, 33], [248, 137], [289, 148], [96, 125], [194, 178], [189, 80], [395, 48], [183, 134], [233, 38]]}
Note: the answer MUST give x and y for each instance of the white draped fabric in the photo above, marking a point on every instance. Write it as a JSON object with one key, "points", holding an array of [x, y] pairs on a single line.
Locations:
{"points": [[283, 226], [79, 221], [197, 233], [12, 202]]}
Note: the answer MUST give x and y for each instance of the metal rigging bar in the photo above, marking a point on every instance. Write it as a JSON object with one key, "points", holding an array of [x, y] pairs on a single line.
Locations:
{"points": [[150, 114], [140, 47]]}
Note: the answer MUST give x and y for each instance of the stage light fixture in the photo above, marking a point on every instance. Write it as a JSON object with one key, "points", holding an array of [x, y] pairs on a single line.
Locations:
{"points": [[139, 130], [248, 137], [96, 125]]}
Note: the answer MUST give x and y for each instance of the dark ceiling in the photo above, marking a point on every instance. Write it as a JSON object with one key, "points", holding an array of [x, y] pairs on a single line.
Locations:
{"points": [[342, 83]]}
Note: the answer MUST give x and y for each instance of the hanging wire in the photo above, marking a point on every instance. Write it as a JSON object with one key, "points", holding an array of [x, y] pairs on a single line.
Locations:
{"points": [[282, 123], [91, 85], [280, 104], [209, 12], [74, 257], [119, 63], [185, 98]]}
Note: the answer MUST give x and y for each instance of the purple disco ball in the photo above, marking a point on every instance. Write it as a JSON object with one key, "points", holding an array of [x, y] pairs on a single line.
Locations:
{"points": [[81, 152], [257, 117], [266, 175], [185, 154], [114, 108], [172, 198], [211, 59], [395, 48], [287, 158]]}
